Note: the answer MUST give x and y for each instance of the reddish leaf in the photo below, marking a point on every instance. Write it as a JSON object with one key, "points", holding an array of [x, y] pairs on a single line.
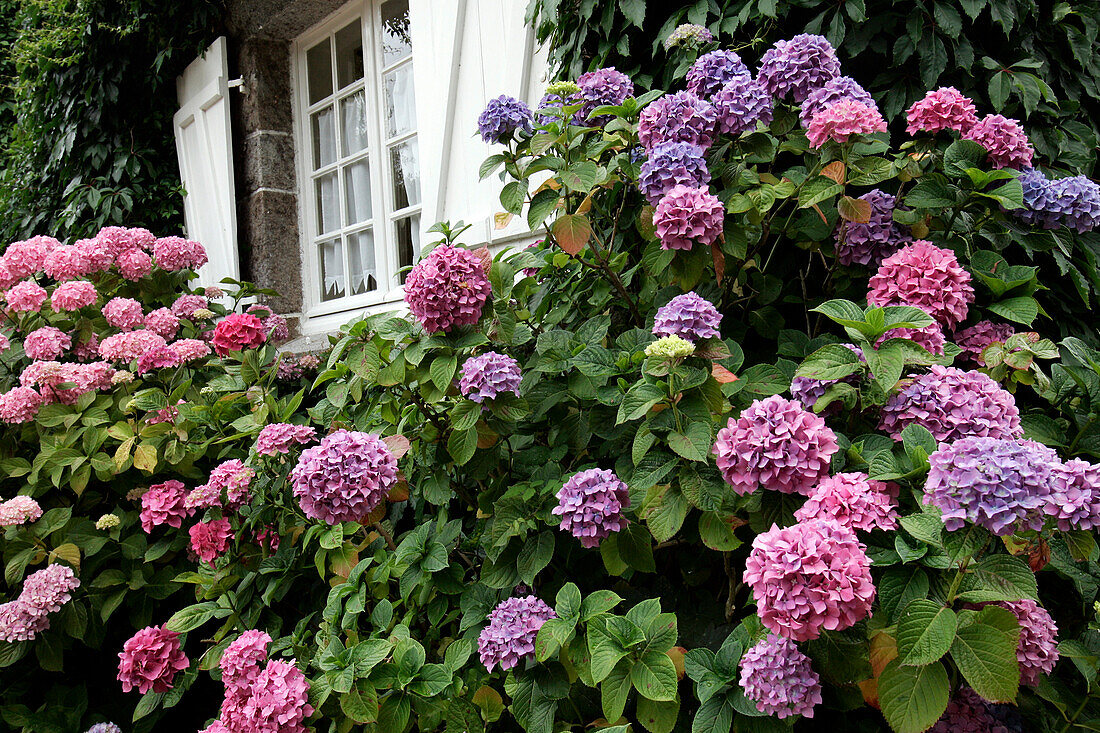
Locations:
{"points": [[834, 171], [719, 261], [398, 445], [723, 375], [856, 210], [572, 232], [485, 256]]}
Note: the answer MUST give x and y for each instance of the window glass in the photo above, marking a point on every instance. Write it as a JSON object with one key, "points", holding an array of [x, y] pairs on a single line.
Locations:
{"points": [[400, 103], [357, 191], [319, 71], [353, 118], [396, 41], [328, 204], [324, 138], [404, 159], [349, 54], [361, 255], [332, 270]]}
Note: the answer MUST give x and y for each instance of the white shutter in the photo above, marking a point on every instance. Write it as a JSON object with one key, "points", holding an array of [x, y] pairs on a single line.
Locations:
{"points": [[204, 145]]}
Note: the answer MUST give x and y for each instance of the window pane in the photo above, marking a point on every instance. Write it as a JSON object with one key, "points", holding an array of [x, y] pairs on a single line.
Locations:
{"points": [[400, 104], [405, 160], [332, 270], [408, 240], [353, 118], [364, 277], [349, 55], [319, 71], [357, 191], [328, 204], [324, 138], [396, 42]]}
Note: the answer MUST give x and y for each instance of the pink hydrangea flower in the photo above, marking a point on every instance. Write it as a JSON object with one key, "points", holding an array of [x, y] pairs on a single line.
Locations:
{"points": [[26, 297], [210, 540], [344, 477], [19, 405], [6, 278], [164, 504], [118, 240], [19, 510], [28, 257], [842, 119], [812, 576], [969, 713], [1037, 651], [124, 313], [158, 357], [278, 701], [50, 588], [162, 322], [1075, 495], [242, 659], [177, 253], [213, 292], [21, 622], [942, 109], [448, 288], [48, 376], [510, 635], [134, 264], [237, 332], [73, 295], [235, 479], [186, 305], [87, 350], [67, 263], [488, 375], [686, 216], [1005, 141], [777, 444], [98, 256], [779, 679], [129, 345], [854, 500], [189, 349], [275, 325], [591, 505], [977, 338], [279, 438], [150, 660], [952, 404], [927, 277], [46, 343]]}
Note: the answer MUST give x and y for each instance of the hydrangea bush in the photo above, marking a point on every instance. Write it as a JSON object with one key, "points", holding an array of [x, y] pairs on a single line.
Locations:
{"points": [[767, 427]]}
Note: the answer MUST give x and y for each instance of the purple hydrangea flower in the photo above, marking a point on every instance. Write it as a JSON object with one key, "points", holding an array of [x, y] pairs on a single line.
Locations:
{"points": [[1002, 485], [808, 390], [834, 90], [600, 88], [975, 339], [711, 71], [669, 165], [591, 505], [740, 104], [688, 316], [796, 67], [510, 635], [779, 679], [447, 288], [551, 102], [503, 117], [344, 477], [486, 376], [1077, 202], [869, 243], [1075, 495], [1037, 200], [952, 404], [968, 712], [104, 728], [680, 117], [1004, 140], [1037, 650]]}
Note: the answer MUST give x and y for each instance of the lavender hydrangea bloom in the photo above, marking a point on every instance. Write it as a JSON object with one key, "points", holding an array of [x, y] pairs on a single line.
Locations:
{"points": [[680, 117], [869, 243], [740, 104], [104, 728], [1037, 200], [488, 375], [510, 635], [1037, 650], [669, 165], [1002, 485], [503, 117], [969, 713], [689, 316], [1075, 495], [591, 504], [779, 679], [1077, 200], [553, 102], [599, 88], [834, 90], [711, 71], [975, 339], [808, 390], [345, 477], [796, 67]]}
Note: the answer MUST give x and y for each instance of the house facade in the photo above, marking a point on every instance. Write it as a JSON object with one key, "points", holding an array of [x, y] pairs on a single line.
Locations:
{"points": [[320, 139]]}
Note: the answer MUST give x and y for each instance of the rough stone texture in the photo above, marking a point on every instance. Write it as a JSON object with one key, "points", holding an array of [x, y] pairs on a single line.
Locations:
{"points": [[267, 221], [278, 19], [267, 161]]}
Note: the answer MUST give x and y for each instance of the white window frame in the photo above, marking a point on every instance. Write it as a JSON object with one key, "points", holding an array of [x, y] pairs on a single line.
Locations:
{"points": [[384, 218]]}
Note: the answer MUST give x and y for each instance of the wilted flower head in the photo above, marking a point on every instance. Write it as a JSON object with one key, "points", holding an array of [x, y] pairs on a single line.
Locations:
{"points": [[25, 297], [853, 500], [447, 288], [867, 243], [688, 35], [280, 437], [711, 71], [1005, 141], [150, 659], [73, 295], [164, 504], [776, 444], [210, 540], [669, 347], [46, 343], [842, 119], [107, 521], [599, 88], [669, 165], [681, 117], [510, 635], [689, 316], [491, 374], [1037, 651], [942, 109], [686, 216], [740, 103], [345, 477], [591, 505], [177, 253], [50, 588], [834, 90], [779, 679], [795, 67], [814, 575], [503, 117], [927, 277], [18, 510], [952, 403]]}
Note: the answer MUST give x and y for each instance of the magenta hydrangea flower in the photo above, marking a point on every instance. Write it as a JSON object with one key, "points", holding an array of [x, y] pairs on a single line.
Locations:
{"points": [[19, 510], [930, 337], [834, 90], [967, 712], [177, 253], [50, 588], [779, 678], [977, 338], [73, 295], [158, 357], [591, 505], [124, 313], [150, 660], [927, 277], [26, 297], [19, 405], [952, 403], [599, 88], [164, 504], [46, 343], [814, 575], [67, 263], [669, 165], [242, 659], [776, 444], [1075, 495], [278, 438], [677, 118], [28, 257], [711, 71], [868, 243], [134, 264], [345, 477], [842, 119], [503, 117], [688, 316], [942, 109], [448, 288], [1037, 651], [795, 67], [510, 635], [491, 374], [854, 500], [210, 540], [186, 305], [21, 622], [235, 479], [1005, 141], [1000, 484], [740, 104], [129, 345], [162, 322], [686, 216]]}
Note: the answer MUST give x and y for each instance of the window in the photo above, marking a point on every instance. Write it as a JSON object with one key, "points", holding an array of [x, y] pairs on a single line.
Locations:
{"points": [[360, 173]]}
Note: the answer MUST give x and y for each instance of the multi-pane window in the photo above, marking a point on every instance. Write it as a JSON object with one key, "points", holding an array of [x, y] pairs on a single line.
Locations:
{"points": [[361, 174]]}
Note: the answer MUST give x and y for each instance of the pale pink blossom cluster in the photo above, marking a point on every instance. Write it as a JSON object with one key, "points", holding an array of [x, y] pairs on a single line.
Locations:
{"points": [[854, 500], [177, 253], [271, 698], [19, 510], [129, 345], [124, 313], [150, 660], [927, 277], [842, 119], [162, 322], [46, 343], [686, 216], [158, 357], [44, 592], [134, 264], [278, 438], [1037, 650], [235, 479], [49, 376], [186, 305], [1005, 141], [26, 258], [19, 405], [73, 295], [68, 262], [942, 109], [190, 349], [25, 297]]}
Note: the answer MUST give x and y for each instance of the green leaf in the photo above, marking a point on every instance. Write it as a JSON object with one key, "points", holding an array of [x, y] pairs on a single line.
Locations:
{"points": [[542, 206], [599, 602], [716, 532], [913, 698], [694, 443], [535, 555], [1023, 309], [925, 632], [818, 190], [899, 586], [465, 414], [461, 445], [195, 616], [636, 548], [360, 704], [658, 716], [638, 400], [1082, 545], [580, 177], [443, 371], [714, 716], [932, 193], [614, 691], [513, 195], [998, 578], [654, 676], [604, 649], [926, 527], [664, 512], [829, 362], [634, 11], [572, 232], [985, 653]]}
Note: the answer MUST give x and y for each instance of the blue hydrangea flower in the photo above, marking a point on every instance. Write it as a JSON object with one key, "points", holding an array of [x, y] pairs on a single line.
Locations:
{"points": [[741, 103], [711, 71], [503, 117], [671, 164], [794, 68]]}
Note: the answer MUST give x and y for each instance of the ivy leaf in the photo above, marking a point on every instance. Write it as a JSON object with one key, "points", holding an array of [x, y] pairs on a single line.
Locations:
{"points": [[925, 632], [913, 698]]}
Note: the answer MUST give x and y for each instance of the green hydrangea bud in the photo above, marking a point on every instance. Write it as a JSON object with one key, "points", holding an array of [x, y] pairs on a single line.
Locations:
{"points": [[670, 347], [201, 313], [107, 521], [122, 377], [563, 89]]}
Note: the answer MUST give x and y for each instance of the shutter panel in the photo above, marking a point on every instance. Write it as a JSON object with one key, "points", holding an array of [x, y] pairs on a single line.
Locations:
{"points": [[204, 145]]}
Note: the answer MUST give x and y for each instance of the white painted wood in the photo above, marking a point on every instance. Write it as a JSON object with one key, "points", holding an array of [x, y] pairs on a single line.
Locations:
{"points": [[204, 146]]}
